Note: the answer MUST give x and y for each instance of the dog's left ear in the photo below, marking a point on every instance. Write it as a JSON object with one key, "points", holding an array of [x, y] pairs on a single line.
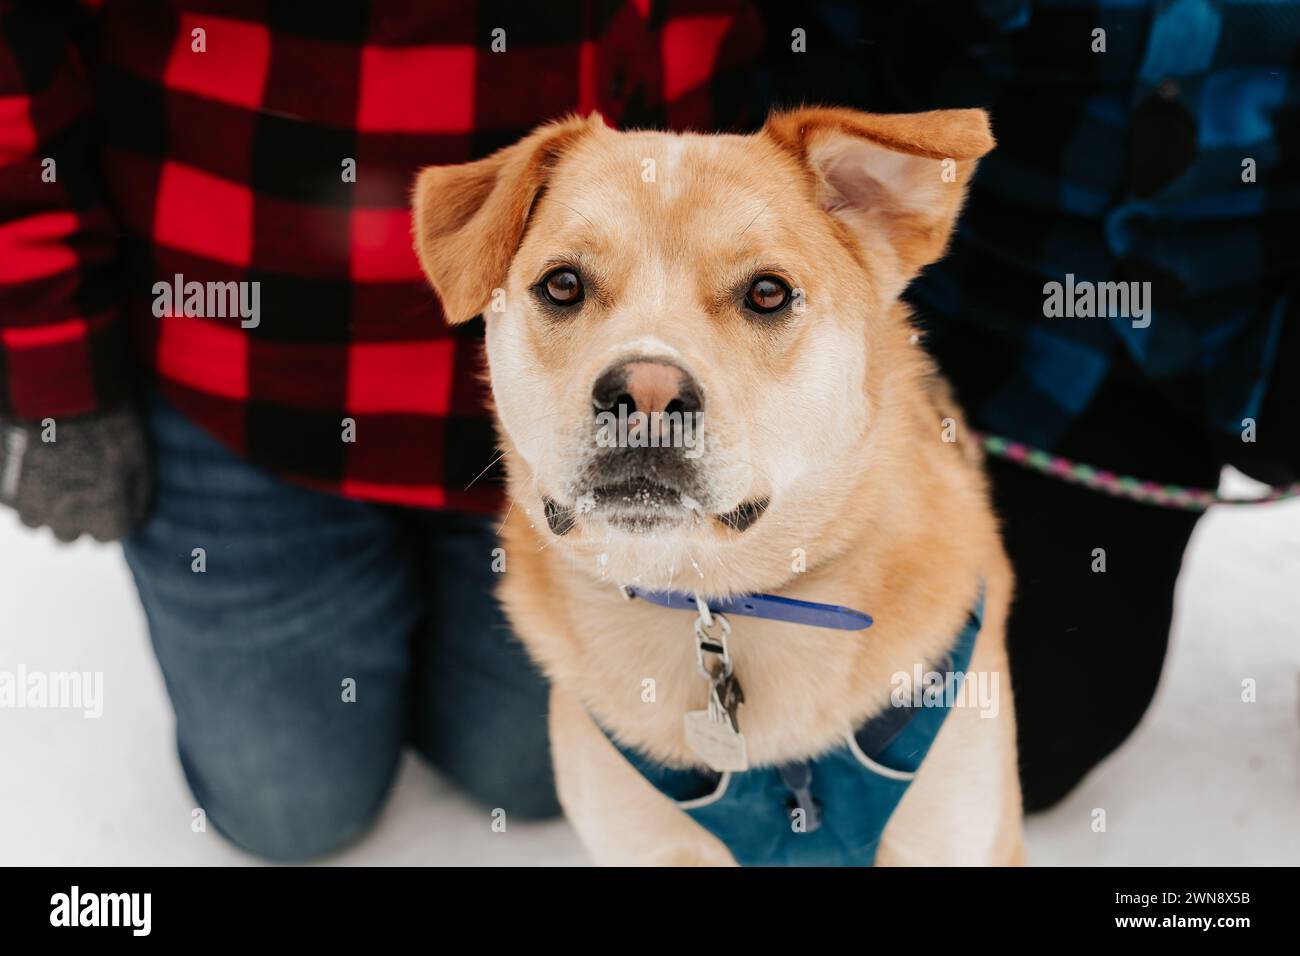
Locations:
{"points": [[897, 181], [469, 219]]}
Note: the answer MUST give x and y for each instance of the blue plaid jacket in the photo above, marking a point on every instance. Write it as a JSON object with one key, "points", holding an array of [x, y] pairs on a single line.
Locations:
{"points": [[1173, 157]]}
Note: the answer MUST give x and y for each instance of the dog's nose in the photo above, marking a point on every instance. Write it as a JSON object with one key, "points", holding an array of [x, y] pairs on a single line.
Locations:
{"points": [[648, 386]]}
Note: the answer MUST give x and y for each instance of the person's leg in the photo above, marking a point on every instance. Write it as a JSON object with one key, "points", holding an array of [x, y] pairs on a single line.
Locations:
{"points": [[478, 704], [302, 593], [1086, 647]]}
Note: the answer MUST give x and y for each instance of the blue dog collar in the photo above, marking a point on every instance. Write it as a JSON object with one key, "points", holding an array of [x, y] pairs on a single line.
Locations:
{"points": [[769, 606]]}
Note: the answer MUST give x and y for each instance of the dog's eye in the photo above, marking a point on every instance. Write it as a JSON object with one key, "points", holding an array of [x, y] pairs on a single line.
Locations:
{"points": [[562, 287], [767, 294]]}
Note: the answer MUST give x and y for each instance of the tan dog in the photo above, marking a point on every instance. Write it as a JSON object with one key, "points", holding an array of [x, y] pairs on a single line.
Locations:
{"points": [[752, 280]]}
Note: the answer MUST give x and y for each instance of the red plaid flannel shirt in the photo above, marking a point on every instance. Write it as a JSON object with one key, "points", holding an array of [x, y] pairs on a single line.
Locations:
{"points": [[227, 165]]}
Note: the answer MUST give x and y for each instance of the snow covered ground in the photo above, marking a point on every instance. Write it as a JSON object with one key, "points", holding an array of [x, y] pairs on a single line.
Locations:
{"points": [[1206, 779]]}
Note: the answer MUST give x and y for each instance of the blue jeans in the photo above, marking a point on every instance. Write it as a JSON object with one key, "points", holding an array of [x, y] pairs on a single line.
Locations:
{"points": [[302, 594]]}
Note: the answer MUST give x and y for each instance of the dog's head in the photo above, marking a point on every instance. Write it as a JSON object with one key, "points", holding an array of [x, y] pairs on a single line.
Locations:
{"points": [[682, 329]]}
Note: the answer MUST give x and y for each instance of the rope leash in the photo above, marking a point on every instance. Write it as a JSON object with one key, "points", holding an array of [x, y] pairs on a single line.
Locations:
{"points": [[1121, 486]]}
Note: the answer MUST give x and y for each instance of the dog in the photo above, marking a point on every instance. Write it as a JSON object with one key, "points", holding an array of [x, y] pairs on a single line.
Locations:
{"points": [[750, 284]]}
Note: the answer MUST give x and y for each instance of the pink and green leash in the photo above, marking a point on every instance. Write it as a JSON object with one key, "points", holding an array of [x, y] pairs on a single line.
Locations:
{"points": [[1121, 486]]}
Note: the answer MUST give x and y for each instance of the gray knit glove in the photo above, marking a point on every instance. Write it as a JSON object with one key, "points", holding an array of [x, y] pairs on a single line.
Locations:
{"points": [[93, 478]]}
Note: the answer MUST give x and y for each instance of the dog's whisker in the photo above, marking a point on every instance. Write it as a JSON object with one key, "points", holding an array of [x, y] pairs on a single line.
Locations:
{"points": [[755, 219], [499, 456], [572, 210], [506, 517], [502, 453]]}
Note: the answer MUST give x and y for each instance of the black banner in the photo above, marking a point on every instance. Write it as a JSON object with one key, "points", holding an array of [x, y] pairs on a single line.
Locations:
{"points": [[303, 905]]}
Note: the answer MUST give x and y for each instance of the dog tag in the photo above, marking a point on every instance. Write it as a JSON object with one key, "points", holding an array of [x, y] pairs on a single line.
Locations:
{"points": [[716, 742]]}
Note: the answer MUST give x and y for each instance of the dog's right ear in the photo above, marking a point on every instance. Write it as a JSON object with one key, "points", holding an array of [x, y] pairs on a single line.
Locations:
{"points": [[469, 219], [895, 180]]}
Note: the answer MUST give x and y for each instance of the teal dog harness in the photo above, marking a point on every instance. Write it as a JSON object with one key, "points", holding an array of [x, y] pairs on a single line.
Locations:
{"points": [[830, 810]]}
